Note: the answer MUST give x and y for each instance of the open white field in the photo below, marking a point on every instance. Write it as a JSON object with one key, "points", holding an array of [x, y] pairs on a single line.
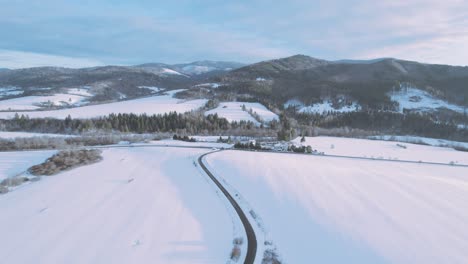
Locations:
{"points": [[380, 149], [13, 135], [138, 205], [320, 209], [149, 105], [35, 102], [233, 111], [14, 163]]}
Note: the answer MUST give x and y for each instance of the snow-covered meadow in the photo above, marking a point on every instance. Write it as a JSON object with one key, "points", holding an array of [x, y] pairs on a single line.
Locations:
{"points": [[318, 209], [233, 111], [36, 102], [138, 205], [379, 149], [13, 135], [150, 105], [416, 99]]}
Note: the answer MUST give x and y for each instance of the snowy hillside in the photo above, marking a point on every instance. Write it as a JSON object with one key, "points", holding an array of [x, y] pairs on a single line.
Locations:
{"points": [[37, 102], [389, 150], [324, 107], [129, 208], [149, 105], [416, 99], [237, 111], [327, 210]]}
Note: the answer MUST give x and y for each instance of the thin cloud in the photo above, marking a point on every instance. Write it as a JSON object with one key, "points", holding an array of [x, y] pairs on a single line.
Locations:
{"points": [[18, 59], [137, 32]]}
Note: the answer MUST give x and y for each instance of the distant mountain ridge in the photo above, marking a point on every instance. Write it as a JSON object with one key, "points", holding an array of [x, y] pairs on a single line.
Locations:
{"points": [[115, 82], [302, 78], [368, 82], [194, 68]]}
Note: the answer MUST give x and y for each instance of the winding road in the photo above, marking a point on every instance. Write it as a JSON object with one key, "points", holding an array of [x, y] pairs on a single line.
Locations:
{"points": [[251, 238]]}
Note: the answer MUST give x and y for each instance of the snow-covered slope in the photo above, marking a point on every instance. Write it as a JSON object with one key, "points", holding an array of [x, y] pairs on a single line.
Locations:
{"points": [[323, 107], [35, 102], [318, 209], [83, 91], [138, 205], [389, 150], [233, 111], [149, 105], [416, 99], [14, 163]]}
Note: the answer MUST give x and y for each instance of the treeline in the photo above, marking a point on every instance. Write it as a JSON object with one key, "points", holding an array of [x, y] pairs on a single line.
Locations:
{"points": [[420, 124], [169, 122]]}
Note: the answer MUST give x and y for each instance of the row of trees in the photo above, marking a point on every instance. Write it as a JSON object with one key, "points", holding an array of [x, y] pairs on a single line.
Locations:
{"points": [[288, 127], [169, 122]]}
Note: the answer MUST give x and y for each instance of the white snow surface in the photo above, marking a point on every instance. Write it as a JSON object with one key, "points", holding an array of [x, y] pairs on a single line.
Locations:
{"points": [[14, 163], [179, 143], [138, 205], [232, 111], [13, 135], [323, 107], [416, 99], [80, 91], [196, 69], [34, 102], [319, 209], [389, 150], [423, 140], [152, 88], [149, 105], [169, 71], [211, 85]]}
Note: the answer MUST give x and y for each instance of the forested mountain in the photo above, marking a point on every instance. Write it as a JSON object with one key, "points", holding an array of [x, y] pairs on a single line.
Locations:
{"points": [[310, 80]]}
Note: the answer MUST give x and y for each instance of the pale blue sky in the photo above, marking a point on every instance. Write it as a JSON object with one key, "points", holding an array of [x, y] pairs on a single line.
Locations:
{"points": [[83, 33]]}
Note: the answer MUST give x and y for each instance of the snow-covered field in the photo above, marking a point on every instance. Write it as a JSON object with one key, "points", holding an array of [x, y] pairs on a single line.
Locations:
{"points": [[13, 135], [208, 144], [35, 102], [323, 107], [232, 111], [318, 209], [416, 99], [149, 105], [138, 205], [389, 150], [14, 163], [423, 140], [83, 91]]}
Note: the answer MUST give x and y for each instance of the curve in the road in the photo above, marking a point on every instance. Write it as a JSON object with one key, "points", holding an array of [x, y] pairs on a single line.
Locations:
{"points": [[251, 238]]}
